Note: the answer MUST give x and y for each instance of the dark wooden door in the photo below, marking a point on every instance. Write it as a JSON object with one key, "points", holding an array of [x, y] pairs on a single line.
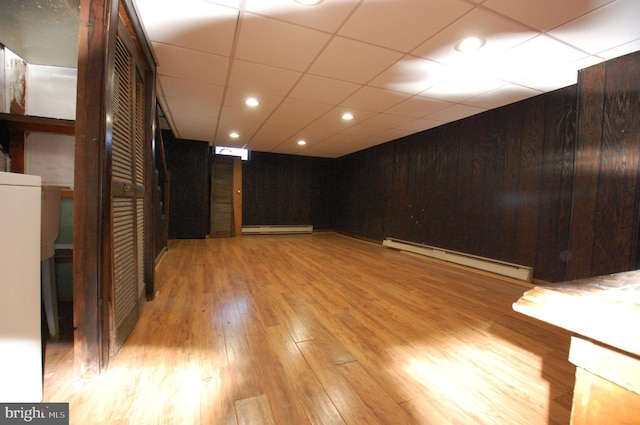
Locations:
{"points": [[222, 211], [188, 164], [127, 191], [113, 129]]}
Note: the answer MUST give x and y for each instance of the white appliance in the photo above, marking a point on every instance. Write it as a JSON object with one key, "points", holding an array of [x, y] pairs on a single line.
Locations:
{"points": [[20, 303]]}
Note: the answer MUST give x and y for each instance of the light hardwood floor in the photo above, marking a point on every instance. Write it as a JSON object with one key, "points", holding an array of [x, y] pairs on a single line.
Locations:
{"points": [[322, 329]]}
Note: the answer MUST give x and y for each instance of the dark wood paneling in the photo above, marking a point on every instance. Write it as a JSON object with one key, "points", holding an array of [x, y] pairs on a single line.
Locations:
{"points": [[188, 164], [605, 224], [556, 184], [489, 185], [588, 153], [161, 197], [534, 183], [525, 201], [323, 183], [91, 215], [288, 190], [151, 237], [617, 208]]}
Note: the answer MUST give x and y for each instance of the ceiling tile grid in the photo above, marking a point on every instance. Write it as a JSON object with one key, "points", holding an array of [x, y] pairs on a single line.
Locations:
{"points": [[394, 64]]}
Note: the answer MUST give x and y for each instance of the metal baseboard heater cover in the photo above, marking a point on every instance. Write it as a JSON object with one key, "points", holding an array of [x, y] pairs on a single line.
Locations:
{"points": [[277, 229], [515, 271]]}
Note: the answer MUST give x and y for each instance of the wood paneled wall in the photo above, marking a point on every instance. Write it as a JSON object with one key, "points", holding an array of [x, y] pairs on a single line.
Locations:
{"points": [[604, 233], [188, 165], [288, 190], [502, 184], [497, 185]]}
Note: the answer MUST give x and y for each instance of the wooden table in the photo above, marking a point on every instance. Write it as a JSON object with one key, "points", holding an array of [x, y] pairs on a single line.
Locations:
{"points": [[604, 314]]}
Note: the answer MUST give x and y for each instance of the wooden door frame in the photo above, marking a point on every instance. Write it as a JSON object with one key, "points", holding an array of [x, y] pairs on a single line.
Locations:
{"points": [[96, 41], [237, 196], [92, 264]]}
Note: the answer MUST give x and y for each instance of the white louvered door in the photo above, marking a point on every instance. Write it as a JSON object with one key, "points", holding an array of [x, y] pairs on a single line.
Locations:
{"points": [[127, 186]]}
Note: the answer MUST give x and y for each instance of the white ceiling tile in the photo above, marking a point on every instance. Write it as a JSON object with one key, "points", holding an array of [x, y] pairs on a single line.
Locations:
{"points": [[190, 121], [462, 86], [379, 138], [510, 93], [538, 55], [562, 76], [374, 99], [333, 119], [454, 113], [322, 89], [358, 132], [404, 25], [194, 24], [411, 75], [326, 16], [620, 21], [544, 14], [257, 78], [328, 125], [332, 147], [621, 50], [345, 140], [311, 134], [236, 119], [175, 87], [368, 79], [297, 113], [353, 61], [419, 106], [419, 125], [319, 130], [498, 33], [271, 42], [199, 108], [291, 149], [229, 3], [193, 131], [235, 98], [269, 136], [392, 134], [387, 120], [190, 64]]}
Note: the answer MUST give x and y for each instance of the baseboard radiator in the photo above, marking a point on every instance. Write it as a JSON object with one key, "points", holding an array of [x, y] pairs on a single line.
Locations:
{"points": [[502, 268], [276, 229]]}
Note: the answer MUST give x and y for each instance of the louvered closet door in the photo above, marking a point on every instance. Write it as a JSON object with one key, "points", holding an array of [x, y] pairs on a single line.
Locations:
{"points": [[127, 166]]}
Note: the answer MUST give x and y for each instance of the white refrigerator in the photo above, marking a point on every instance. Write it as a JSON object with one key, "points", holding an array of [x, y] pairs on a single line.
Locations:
{"points": [[20, 302]]}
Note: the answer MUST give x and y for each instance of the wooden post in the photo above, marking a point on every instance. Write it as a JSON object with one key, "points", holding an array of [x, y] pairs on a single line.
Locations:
{"points": [[91, 264]]}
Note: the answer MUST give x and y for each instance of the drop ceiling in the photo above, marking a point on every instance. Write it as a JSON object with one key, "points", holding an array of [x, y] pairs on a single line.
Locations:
{"points": [[391, 63]]}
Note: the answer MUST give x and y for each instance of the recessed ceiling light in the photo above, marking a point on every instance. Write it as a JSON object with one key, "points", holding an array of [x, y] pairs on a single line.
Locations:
{"points": [[347, 116], [309, 2], [302, 142], [470, 43], [252, 101], [234, 135]]}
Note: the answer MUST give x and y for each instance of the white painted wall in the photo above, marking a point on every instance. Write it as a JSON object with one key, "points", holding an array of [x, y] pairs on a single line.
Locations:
{"points": [[14, 74], [51, 91], [50, 156]]}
